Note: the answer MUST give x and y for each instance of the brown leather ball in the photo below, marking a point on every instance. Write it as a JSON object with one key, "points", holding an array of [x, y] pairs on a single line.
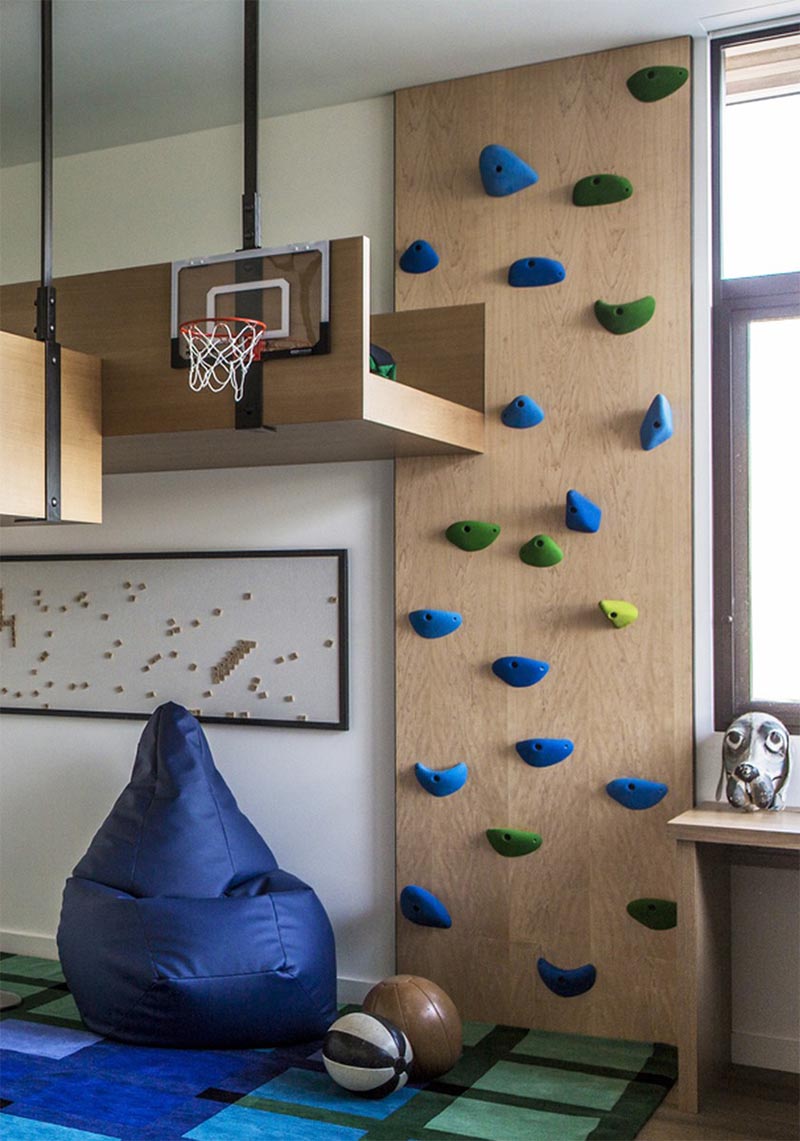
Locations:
{"points": [[426, 1015]]}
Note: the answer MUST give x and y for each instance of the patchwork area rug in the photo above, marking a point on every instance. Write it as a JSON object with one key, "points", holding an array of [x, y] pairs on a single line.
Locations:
{"points": [[60, 1082]]}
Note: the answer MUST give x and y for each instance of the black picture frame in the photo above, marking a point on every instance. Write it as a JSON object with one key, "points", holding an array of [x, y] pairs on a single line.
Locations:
{"points": [[342, 720]]}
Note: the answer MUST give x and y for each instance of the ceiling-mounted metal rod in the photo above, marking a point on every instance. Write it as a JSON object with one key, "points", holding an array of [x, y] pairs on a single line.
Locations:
{"points": [[45, 320], [251, 202], [250, 409], [46, 294]]}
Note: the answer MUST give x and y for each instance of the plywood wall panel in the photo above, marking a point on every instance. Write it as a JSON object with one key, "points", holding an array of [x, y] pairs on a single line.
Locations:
{"points": [[623, 696]]}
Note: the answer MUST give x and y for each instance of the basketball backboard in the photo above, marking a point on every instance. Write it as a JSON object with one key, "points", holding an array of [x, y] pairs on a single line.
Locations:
{"points": [[288, 288]]}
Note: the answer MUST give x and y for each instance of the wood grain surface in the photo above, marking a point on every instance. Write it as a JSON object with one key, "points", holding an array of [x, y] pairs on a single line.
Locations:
{"points": [[22, 442], [21, 426], [623, 696]]}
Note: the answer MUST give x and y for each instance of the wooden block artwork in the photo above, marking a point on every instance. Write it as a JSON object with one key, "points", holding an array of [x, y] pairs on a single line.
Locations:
{"points": [[128, 663], [622, 697]]}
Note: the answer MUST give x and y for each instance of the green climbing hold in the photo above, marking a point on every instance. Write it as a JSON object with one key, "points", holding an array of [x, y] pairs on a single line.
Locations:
{"points": [[650, 84], [601, 189], [472, 535], [658, 914], [541, 551], [513, 841], [627, 317], [619, 613]]}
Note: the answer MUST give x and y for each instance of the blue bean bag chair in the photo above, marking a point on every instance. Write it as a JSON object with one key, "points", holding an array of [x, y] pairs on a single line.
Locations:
{"points": [[178, 928]]}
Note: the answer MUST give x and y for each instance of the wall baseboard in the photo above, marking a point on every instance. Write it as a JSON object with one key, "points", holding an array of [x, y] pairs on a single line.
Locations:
{"points": [[44, 947], [766, 1052], [27, 943], [353, 990]]}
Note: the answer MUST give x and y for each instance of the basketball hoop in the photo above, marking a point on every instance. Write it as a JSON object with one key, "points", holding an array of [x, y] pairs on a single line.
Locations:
{"points": [[221, 351]]}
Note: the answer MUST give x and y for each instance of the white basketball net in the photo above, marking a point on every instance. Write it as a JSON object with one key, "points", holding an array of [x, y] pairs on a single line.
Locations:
{"points": [[221, 352]]}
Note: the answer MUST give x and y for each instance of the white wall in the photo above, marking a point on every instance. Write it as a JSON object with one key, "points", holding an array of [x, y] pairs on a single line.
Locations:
{"points": [[324, 800], [324, 174]]}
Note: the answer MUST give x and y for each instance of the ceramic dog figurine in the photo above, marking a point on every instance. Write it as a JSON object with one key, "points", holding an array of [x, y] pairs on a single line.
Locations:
{"points": [[755, 763]]}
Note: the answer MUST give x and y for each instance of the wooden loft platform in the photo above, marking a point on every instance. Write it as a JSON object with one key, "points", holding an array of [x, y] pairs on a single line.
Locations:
{"points": [[323, 408]]}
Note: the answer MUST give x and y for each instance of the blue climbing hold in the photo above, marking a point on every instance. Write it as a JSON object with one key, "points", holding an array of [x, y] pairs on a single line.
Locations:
{"points": [[522, 412], [422, 907], [535, 271], [442, 782], [519, 672], [503, 172], [657, 425], [420, 257], [434, 623], [541, 752], [632, 792], [567, 984], [582, 514]]}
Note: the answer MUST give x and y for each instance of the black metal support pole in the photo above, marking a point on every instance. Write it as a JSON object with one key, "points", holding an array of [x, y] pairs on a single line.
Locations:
{"points": [[251, 202], [46, 294], [250, 409]]}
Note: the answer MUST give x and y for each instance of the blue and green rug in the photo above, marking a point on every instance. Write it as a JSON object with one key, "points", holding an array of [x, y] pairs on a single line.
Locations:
{"points": [[60, 1082]]}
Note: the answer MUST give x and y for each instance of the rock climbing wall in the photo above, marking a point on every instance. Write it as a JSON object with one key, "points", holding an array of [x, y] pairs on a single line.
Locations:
{"points": [[620, 694]]}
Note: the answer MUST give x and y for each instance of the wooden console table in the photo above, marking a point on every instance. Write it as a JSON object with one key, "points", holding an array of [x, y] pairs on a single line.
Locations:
{"points": [[710, 839]]}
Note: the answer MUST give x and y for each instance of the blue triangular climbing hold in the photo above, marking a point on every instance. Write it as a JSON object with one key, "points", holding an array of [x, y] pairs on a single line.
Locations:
{"points": [[535, 271], [503, 172], [657, 425], [635, 793], [420, 257], [582, 514], [522, 412], [434, 623], [422, 907]]}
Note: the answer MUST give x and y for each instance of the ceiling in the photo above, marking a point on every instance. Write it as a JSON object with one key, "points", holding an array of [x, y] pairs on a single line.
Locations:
{"points": [[130, 70]]}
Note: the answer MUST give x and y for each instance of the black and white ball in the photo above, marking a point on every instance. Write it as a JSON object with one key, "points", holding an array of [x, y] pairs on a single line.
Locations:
{"points": [[367, 1054]]}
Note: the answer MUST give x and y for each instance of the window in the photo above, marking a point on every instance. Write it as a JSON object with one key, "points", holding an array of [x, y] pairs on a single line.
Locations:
{"points": [[756, 382]]}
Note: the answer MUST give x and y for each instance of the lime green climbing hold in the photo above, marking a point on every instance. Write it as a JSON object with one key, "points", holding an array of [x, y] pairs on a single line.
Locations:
{"points": [[658, 914], [601, 189], [619, 613], [650, 84], [541, 551], [625, 317], [513, 841], [472, 535]]}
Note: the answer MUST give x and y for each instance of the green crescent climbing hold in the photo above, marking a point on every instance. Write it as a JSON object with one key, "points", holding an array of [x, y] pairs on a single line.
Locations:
{"points": [[625, 317], [513, 841], [650, 84], [658, 914], [541, 551], [619, 613], [601, 189], [471, 534]]}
